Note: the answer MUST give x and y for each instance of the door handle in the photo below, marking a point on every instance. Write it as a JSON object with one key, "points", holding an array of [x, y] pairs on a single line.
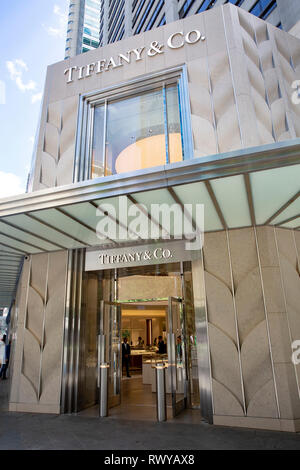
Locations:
{"points": [[98, 365]]}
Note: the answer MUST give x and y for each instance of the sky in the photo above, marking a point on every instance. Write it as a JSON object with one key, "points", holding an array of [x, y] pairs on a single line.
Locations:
{"points": [[33, 34]]}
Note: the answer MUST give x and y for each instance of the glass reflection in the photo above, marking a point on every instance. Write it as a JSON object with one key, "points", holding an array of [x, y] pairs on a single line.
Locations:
{"points": [[133, 125], [174, 127], [136, 132]]}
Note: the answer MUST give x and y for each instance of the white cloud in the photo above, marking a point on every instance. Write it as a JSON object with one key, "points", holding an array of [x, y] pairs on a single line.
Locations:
{"points": [[16, 69], [31, 85], [59, 28], [31, 139], [10, 184], [22, 64], [37, 97]]}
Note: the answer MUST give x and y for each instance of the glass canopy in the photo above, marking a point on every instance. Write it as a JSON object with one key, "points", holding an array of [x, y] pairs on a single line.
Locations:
{"points": [[68, 217]]}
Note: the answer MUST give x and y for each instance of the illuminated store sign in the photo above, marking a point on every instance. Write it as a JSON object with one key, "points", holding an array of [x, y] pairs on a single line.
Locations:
{"points": [[175, 41]]}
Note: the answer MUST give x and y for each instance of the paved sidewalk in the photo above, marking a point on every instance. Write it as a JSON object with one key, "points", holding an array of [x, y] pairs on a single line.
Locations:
{"points": [[36, 431], [32, 431], [4, 394]]}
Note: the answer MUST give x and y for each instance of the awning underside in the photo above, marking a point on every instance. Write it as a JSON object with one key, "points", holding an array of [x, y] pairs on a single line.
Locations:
{"points": [[10, 266], [267, 197]]}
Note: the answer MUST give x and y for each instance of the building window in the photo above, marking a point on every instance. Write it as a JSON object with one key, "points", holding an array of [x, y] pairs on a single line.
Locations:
{"points": [[136, 132], [92, 4], [140, 130], [141, 4], [185, 8], [121, 34], [144, 17], [162, 21], [237, 3], [113, 16], [263, 8], [112, 37], [206, 5], [155, 15], [134, 5], [90, 42]]}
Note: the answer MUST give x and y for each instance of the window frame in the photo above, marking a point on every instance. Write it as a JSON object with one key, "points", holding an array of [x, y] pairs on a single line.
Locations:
{"points": [[88, 102]]}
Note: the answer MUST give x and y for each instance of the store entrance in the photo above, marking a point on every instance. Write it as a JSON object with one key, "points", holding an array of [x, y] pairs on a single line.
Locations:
{"points": [[135, 337], [142, 321], [144, 324]]}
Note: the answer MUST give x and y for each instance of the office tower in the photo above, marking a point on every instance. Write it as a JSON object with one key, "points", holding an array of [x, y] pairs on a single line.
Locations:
{"points": [[94, 23], [83, 27]]}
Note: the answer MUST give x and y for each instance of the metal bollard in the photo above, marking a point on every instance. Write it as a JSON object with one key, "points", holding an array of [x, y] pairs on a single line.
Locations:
{"points": [[103, 408], [161, 402]]}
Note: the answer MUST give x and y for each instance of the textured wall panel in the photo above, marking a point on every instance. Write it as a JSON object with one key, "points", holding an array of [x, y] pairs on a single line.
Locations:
{"points": [[288, 250], [201, 108], [227, 125], [37, 364], [258, 60], [279, 261], [224, 350], [289, 263], [264, 63], [17, 328], [51, 359], [240, 351], [57, 156], [251, 315]]}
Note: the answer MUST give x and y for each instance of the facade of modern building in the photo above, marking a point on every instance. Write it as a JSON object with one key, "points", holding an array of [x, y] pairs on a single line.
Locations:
{"points": [[204, 110], [94, 23]]}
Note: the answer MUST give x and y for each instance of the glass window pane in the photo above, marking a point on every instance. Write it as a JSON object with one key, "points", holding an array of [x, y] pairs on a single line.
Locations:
{"points": [[135, 133], [97, 149], [174, 127]]}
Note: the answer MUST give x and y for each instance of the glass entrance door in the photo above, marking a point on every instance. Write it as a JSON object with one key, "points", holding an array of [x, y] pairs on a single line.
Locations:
{"points": [[177, 373], [109, 349]]}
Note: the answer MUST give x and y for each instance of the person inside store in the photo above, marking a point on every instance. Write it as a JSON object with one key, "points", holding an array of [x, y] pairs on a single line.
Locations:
{"points": [[161, 346], [126, 355], [140, 342], [179, 349], [5, 364], [2, 351]]}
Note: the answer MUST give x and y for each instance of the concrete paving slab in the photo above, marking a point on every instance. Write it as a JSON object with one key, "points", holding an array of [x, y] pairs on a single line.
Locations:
{"points": [[31, 431]]}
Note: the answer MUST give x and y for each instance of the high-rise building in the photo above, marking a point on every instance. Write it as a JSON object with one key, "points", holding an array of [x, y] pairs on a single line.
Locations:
{"points": [[94, 23], [83, 30]]}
